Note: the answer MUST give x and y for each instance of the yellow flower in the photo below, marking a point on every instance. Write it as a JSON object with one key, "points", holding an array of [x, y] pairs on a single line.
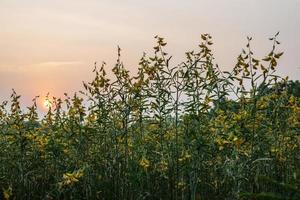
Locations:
{"points": [[263, 103], [66, 151], [7, 193], [181, 185], [170, 134], [221, 143], [184, 156], [144, 163], [292, 100], [153, 127], [91, 118], [274, 150], [71, 178]]}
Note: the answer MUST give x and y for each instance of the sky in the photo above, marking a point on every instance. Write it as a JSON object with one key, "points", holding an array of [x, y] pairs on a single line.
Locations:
{"points": [[51, 45]]}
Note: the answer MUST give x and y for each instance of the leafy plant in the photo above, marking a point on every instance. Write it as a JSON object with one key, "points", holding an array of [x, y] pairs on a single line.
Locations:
{"points": [[185, 131]]}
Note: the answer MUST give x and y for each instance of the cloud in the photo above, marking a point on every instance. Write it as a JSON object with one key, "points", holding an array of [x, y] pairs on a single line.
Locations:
{"points": [[42, 66], [56, 63]]}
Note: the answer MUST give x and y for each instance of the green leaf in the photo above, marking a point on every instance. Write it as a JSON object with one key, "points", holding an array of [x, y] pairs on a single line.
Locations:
{"points": [[267, 58], [278, 55]]}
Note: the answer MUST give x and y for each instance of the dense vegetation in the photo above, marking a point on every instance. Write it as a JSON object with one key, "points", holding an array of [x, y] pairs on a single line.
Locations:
{"points": [[189, 131]]}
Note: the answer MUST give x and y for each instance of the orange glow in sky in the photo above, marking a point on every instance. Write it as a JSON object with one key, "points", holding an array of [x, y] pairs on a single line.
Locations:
{"points": [[51, 45]]}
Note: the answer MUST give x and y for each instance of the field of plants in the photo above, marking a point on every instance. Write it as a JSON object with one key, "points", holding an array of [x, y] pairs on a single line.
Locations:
{"points": [[189, 131]]}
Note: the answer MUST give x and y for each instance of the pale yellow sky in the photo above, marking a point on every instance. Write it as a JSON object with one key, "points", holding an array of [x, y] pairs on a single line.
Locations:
{"points": [[51, 45]]}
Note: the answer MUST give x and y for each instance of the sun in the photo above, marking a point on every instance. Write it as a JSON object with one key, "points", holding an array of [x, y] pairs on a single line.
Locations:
{"points": [[47, 103]]}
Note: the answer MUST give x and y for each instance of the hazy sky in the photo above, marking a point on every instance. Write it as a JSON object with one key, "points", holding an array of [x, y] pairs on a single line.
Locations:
{"points": [[51, 45]]}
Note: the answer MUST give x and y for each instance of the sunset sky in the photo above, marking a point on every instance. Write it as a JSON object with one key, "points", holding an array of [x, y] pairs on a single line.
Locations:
{"points": [[51, 45]]}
